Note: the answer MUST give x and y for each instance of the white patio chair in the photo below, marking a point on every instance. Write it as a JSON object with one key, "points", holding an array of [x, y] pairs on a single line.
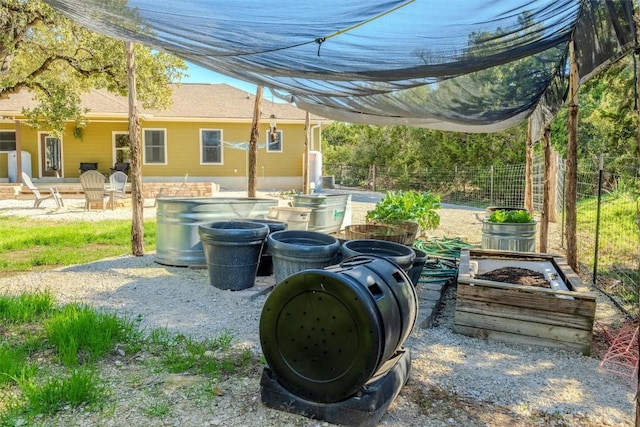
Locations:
{"points": [[117, 187], [92, 183], [53, 192]]}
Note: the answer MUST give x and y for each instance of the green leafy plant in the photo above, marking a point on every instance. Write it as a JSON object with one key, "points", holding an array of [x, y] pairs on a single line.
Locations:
{"points": [[409, 205], [520, 216]]}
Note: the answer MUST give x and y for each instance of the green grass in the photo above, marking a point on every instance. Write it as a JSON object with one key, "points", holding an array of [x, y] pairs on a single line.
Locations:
{"points": [[70, 342], [19, 340], [618, 241], [79, 387], [80, 334], [185, 354], [50, 354], [27, 245], [617, 245], [26, 307], [13, 364], [157, 409]]}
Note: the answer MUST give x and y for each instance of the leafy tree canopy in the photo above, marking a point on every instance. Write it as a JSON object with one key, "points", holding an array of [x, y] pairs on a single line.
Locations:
{"points": [[58, 60], [607, 119], [607, 125], [415, 148]]}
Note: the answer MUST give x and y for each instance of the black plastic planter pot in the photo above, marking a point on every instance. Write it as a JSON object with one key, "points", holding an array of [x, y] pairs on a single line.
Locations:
{"points": [[297, 250], [400, 254], [232, 251], [418, 264], [265, 265]]}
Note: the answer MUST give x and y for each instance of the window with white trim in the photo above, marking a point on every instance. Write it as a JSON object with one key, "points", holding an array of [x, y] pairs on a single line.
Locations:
{"points": [[211, 146], [121, 147], [155, 146], [7, 140], [274, 145]]}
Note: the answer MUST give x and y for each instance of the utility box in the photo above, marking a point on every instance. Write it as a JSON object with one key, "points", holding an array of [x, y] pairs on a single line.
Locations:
{"points": [[12, 165]]}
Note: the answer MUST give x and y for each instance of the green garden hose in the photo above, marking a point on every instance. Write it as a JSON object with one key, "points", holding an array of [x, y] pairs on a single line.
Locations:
{"points": [[443, 255]]}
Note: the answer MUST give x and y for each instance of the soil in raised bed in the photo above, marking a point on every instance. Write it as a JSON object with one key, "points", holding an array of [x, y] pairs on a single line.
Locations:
{"points": [[516, 275]]}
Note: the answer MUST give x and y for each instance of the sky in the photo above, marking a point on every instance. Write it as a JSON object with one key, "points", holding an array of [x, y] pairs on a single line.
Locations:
{"points": [[198, 74]]}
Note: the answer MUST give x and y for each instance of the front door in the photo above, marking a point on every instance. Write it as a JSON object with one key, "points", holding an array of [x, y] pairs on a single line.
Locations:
{"points": [[50, 161]]}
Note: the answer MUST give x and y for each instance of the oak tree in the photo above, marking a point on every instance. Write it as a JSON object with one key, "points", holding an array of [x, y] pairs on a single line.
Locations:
{"points": [[58, 60]]}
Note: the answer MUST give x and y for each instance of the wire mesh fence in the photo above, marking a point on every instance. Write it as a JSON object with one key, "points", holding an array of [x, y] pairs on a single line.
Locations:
{"points": [[608, 226], [608, 231], [472, 186]]}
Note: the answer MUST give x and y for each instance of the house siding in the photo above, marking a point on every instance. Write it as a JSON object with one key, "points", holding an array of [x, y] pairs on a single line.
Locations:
{"points": [[182, 138], [96, 146]]}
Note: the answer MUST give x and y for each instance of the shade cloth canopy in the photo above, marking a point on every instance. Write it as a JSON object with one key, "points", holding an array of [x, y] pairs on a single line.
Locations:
{"points": [[465, 65]]}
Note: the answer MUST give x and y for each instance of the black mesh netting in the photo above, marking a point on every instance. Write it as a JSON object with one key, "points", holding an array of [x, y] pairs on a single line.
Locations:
{"points": [[466, 65]]}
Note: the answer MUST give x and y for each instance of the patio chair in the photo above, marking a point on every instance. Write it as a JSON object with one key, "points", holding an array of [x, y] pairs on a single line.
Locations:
{"points": [[92, 183], [117, 187], [53, 192]]}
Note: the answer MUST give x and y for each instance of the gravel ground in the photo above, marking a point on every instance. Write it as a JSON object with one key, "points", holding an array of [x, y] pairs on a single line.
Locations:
{"points": [[455, 380]]}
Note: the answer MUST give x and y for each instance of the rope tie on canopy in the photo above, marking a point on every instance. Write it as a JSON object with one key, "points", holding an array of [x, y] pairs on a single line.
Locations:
{"points": [[320, 40]]}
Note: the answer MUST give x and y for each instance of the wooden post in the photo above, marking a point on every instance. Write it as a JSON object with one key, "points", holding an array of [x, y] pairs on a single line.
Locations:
{"points": [[546, 205], [528, 171], [637, 51], [305, 156], [571, 186], [553, 186], [252, 167], [137, 199], [18, 151], [637, 25]]}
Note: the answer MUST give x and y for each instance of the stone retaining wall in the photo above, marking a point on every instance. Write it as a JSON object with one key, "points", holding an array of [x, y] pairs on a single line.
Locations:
{"points": [[150, 190]]}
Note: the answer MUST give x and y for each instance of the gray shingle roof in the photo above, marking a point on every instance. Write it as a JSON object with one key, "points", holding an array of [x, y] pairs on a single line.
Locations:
{"points": [[190, 100]]}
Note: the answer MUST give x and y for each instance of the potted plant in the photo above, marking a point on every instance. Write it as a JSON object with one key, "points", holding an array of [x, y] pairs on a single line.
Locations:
{"points": [[509, 229], [412, 210]]}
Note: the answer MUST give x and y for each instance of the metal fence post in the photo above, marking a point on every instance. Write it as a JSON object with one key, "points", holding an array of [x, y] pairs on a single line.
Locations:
{"points": [[456, 190], [564, 181], [597, 243], [374, 178], [491, 186]]}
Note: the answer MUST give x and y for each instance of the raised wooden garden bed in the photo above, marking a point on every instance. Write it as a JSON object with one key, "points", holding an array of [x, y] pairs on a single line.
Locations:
{"points": [[559, 316]]}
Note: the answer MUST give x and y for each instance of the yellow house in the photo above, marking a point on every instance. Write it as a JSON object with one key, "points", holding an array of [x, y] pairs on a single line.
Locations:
{"points": [[204, 134]]}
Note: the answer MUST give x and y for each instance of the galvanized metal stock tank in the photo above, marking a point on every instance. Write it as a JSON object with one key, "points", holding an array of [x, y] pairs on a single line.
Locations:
{"points": [[177, 239], [518, 237]]}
